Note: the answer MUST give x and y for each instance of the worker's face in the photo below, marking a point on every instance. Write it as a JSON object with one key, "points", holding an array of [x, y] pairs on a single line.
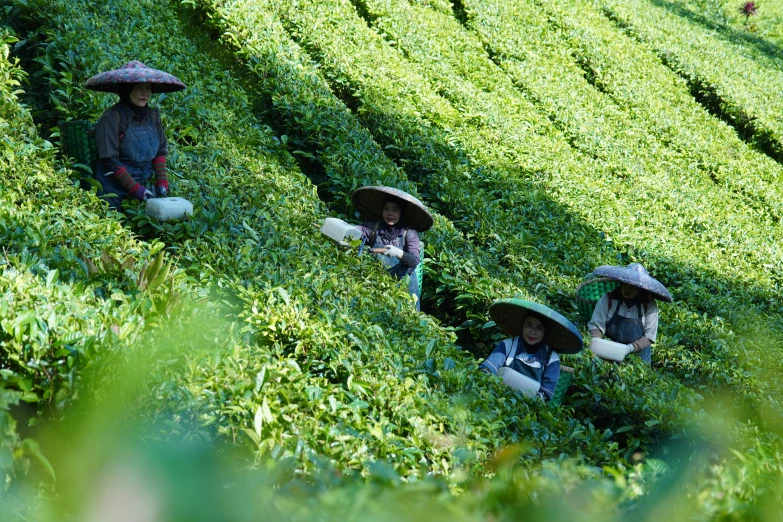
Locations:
{"points": [[391, 213], [140, 94], [533, 330], [628, 291]]}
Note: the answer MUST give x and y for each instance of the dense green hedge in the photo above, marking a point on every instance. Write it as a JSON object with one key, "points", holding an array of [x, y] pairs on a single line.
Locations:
{"points": [[312, 358], [619, 104], [636, 78], [242, 16], [63, 310], [459, 275], [620, 82], [716, 371], [331, 360], [592, 106], [700, 54], [260, 245], [368, 70]]}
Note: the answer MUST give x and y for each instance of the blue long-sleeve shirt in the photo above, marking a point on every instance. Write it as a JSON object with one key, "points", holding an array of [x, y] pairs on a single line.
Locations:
{"points": [[497, 359]]}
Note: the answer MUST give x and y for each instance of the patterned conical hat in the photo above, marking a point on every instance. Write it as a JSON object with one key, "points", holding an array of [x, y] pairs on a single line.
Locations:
{"points": [[369, 202], [636, 275], [561, 334], [132, 73]]}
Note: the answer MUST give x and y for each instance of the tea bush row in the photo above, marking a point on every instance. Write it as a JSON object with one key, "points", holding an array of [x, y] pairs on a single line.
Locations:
{"points": [[60, 313], [356, 377], [370, 50], [339, 82], [700, 55], [321, 125], [213, 254], [295, 360], [240, 17], [572, 41], [640, 81], [405, 26], [630, 95]]}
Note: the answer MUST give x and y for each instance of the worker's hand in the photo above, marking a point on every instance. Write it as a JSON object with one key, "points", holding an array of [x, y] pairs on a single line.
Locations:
{"points": [[160, 191], [139, 192], [392, 251], [631, 348], [148, 194]]}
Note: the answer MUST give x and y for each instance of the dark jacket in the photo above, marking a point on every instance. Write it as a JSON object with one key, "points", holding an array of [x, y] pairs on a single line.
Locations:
{"points": [[407, 237]]}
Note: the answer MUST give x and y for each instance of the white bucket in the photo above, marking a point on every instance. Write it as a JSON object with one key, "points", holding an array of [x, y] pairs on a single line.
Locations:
{"points": [[608, 349], [340, 231], [519, 382], [167, 209]]}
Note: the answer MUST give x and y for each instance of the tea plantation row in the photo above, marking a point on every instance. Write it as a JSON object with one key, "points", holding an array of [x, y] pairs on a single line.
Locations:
{"points": [[618, 79], [386, 61], [240, 29], [250, 384], [238, 244], [641, 410], [315, 354], [701, 54], [60, 314]]}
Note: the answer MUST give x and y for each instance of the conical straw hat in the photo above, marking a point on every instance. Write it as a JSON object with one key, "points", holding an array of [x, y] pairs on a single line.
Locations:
{"points": [[369, 202], [636, 275], [561, 334], [132, 73]]}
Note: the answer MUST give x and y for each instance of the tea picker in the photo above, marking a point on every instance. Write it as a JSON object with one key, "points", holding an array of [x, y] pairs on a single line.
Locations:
{"points": [[393, 220], [528, 360], [130, 142], [626, 313], [390, 231]]}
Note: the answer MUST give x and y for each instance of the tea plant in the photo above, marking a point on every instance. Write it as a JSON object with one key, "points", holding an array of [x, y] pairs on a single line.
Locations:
{"points": [[699, 55], [309, 358], [316, 368]]}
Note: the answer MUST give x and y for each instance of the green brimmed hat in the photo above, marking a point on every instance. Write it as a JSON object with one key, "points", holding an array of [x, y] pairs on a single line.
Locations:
{"points": [[636, 275], [369, 202], [561, 334]]}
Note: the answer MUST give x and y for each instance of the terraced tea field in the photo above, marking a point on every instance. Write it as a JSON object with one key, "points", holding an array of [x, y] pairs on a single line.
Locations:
{"points": [[269, 371]]}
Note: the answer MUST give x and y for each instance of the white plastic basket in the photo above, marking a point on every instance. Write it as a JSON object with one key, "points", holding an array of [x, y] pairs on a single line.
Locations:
{"points": [[519, 382], [340, 231], [608, 349], [167, 209]]}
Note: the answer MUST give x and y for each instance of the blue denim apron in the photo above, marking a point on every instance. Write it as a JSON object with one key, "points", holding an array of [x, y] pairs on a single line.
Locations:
{"points": [[396, 268], [137, 150], [626, 330]]}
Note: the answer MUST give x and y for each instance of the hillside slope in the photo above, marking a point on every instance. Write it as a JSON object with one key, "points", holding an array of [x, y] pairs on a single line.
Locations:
{"points": [[548, 139]]}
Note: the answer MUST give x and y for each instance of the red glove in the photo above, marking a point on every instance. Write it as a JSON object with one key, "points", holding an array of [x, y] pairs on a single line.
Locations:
{"points": [[161, 172], [139, 192], [123, 177]]}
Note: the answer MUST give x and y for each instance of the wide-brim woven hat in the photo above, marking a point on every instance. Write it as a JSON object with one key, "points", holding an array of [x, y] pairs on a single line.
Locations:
{"points": [[561, 334], [636, 275], [369, 202], [132, 73]]}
